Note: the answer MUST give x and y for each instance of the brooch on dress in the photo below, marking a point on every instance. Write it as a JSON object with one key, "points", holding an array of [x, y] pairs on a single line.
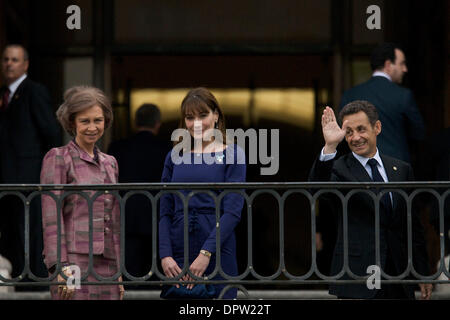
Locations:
{"points": [[219, 159]]}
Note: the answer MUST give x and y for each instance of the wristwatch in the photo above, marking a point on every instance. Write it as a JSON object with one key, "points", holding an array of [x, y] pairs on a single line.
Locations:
{"points": [[205, 253]]}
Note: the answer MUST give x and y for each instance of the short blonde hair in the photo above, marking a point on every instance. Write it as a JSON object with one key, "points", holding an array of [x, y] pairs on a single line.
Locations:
{"points": [[78, 99]]}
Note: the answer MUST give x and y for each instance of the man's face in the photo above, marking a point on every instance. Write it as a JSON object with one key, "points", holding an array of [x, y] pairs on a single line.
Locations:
{"points": [[14, 64], [397, 70], [361, 136]]}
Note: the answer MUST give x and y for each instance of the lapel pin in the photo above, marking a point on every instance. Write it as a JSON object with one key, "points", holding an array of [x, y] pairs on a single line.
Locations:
{"points": [[395, 168], [220, 158]]}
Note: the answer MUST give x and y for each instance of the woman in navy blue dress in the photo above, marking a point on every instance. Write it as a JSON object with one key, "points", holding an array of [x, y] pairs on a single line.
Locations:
{"points": [[200, 115]]}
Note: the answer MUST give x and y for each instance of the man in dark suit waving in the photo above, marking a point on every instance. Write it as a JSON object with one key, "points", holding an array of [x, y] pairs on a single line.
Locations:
{"points": [[28, 129], [365, 164], [398, 112]]}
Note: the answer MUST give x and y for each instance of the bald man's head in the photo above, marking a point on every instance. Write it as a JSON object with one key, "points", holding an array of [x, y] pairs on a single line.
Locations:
{"points": [[14, 63]]}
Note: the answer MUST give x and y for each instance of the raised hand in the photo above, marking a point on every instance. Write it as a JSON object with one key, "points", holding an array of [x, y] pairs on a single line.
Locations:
{"points": [[332, 133]]}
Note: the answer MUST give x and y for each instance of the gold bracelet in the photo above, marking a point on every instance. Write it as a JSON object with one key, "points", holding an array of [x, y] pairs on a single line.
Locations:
{"points": [[205, 253]]}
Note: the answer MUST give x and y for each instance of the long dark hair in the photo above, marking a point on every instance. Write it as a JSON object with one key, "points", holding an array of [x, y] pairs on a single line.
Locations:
{"points": [[201, 100]]}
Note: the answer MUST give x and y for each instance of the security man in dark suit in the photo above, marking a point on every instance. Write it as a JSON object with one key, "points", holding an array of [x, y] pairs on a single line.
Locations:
{"points": [[365, 164], [141, 160], [28, 129], [398, 112]]}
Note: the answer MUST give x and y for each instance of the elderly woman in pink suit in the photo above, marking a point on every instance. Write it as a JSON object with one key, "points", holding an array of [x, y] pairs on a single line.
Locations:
{"points": [[85, 114]]}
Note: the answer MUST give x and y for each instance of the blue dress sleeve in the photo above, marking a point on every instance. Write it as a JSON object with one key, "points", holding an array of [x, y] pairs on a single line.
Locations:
{"points": [[166, 210], [232, 202]]}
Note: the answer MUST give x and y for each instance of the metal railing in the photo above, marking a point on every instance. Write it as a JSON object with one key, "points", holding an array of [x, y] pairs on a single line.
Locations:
{"points": [[249, 191]]}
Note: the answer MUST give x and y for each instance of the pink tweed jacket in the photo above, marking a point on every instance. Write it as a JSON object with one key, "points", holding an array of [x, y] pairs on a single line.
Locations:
{"points": [[72, 165]]}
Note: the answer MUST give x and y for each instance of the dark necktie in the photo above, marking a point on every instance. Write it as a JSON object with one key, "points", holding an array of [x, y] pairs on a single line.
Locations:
{"points": [[376, 177], [5, 100]]}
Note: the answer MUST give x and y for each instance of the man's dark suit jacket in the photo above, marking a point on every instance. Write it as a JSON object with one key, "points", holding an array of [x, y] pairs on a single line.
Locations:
{"points": [[28, 129], [400, 118], [361, 225], [141, 160]]}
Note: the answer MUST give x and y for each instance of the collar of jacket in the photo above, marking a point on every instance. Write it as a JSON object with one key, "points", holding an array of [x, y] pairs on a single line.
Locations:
{"points": [[85, 156]]}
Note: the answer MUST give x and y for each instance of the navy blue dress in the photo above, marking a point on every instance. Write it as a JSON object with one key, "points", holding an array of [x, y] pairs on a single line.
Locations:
{"points": [[229, 166]]}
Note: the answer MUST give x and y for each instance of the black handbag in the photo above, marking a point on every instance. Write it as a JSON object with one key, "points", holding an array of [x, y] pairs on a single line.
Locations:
{"points": [[199, 291]]}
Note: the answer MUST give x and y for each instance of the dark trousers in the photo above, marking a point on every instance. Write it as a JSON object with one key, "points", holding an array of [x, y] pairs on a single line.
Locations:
{"points": [[388, 291], [392, 290], [12, 239]]}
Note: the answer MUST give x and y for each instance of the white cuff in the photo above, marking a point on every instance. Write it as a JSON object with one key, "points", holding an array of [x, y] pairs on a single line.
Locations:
{"points": [[326, 157]]}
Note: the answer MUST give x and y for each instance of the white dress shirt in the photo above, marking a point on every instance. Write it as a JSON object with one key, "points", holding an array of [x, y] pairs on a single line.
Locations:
{"points": [[13, 86], [381, 74], [364, 162]]}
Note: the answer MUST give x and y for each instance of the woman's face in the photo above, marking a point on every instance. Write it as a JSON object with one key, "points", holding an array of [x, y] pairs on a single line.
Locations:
{"points": [[199, 122], [89, 125]]}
